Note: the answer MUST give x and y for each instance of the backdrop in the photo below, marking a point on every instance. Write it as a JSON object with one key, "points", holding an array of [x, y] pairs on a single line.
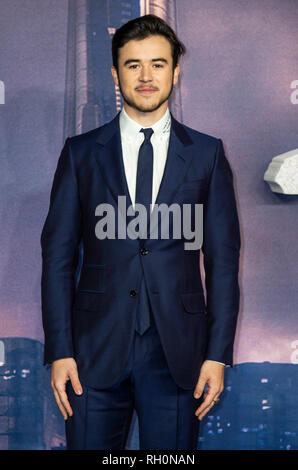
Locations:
{"points": [[238, 83]]}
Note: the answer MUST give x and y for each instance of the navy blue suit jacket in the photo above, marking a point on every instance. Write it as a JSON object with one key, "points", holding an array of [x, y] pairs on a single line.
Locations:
{"points": [[92, 317]]}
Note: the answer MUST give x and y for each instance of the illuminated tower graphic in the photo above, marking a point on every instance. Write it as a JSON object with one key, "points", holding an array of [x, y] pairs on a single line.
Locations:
{"points": [[166, 9], [91, 98]]}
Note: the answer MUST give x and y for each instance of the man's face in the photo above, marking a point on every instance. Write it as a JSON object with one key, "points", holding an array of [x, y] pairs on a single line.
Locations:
{"points": [[145, 73]]}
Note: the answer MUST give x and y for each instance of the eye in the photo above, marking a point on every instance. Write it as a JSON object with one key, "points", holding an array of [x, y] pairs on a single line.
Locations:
{"points": [[133, 66], [158, 66]]}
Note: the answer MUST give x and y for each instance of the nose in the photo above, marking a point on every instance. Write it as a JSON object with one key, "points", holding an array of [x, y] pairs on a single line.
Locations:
{"points": [[145, 73]]}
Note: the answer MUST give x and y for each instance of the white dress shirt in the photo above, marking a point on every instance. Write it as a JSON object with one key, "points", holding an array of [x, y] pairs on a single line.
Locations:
{"points": [[131, 140]]}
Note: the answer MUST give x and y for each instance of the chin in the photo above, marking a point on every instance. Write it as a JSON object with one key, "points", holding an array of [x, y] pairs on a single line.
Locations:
{"points": [[148, 106]]}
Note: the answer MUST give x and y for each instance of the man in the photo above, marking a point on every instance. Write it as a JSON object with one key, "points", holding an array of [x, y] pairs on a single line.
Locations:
{"points": [[136, 331]]}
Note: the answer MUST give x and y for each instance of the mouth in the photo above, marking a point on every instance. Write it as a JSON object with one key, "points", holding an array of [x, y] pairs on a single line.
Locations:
{"points": [[146, 91]]}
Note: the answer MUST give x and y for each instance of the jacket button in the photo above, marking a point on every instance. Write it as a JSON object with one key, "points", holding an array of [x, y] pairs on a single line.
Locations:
{"points": [[144, 251], [133, 293]]}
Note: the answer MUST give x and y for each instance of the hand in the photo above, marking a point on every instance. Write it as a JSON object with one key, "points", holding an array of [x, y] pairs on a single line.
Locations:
{"points": [[63, 370], [212, 374]]}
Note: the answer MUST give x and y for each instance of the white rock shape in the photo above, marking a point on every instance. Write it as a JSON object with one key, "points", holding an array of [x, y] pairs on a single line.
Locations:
{"points": [[282, 173]]}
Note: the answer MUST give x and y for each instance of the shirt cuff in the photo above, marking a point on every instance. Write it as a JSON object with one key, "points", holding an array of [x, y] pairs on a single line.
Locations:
{"points": [[217, 362]]}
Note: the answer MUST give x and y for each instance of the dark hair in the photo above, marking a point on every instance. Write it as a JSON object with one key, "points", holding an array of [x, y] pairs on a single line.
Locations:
{"points": [[141, 28]]}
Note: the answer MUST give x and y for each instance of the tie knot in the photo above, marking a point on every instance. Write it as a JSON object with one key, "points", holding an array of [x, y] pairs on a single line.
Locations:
{"points": [[148, 133]]}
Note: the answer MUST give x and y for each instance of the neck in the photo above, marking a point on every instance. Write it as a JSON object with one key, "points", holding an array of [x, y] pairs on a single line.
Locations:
{"points": [[146, 119]]}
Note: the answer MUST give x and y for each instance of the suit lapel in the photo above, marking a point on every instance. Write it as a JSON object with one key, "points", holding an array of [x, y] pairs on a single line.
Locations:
{"points": [[108, 155], [178, 160], [180, 153]]}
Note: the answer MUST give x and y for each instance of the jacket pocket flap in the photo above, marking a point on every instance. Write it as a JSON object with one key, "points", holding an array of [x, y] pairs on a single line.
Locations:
{"points": [[93, 278], [194, 302]]}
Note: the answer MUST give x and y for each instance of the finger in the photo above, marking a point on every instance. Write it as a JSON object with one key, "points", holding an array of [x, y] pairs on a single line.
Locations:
{"points": [[64, 399], [203, 413], [59, 404], [200, 387], [75, 383], [209, 398]]}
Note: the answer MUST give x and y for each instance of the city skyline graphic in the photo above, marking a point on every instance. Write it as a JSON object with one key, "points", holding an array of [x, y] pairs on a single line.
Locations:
{"points": [[251, 413]]}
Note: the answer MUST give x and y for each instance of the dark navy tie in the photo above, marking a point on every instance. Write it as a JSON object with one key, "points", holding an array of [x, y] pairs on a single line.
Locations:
{"points": [[144, 196]]}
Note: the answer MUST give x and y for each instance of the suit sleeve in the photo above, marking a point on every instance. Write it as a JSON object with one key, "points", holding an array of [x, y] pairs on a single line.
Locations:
{"points": [[221, 249], [60, 238]]}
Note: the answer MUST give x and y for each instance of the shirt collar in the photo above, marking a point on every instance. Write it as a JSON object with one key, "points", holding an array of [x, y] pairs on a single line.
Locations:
{"points": [[131, 128]]}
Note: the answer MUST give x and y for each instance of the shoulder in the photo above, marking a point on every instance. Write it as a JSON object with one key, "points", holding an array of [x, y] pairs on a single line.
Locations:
{"points": [[205, 146], [201, 138], [206, 149], [83, 143], [85, 138], [78, 148]]}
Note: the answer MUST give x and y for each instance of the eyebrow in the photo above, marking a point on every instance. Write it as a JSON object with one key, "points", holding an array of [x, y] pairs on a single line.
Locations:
{"points": [[159, 59]]}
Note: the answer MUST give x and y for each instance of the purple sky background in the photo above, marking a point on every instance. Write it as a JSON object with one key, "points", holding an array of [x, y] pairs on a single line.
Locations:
{"points": [[236, 86], [236, 76]]}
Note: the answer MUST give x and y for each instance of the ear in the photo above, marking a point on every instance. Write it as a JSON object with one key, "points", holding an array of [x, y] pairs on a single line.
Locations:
{"points": [[176, 74], [115, 75]]}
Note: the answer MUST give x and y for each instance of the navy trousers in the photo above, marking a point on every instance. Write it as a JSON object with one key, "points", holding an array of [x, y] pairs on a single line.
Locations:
{"points": [[101, 417]]}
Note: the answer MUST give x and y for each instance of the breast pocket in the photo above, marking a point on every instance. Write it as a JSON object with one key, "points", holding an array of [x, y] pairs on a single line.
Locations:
{"points": [[192, 191], [191, 185]]}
